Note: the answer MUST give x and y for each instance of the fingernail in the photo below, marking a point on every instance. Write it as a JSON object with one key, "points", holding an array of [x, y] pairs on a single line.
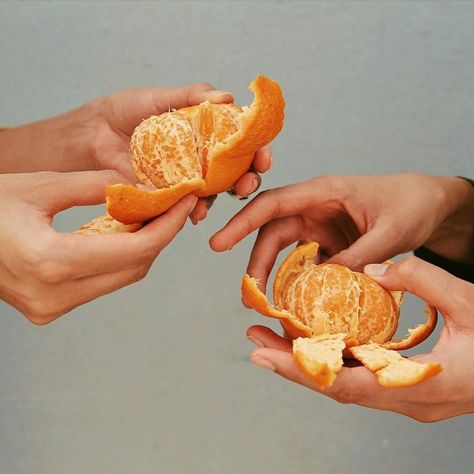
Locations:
{"points": [[204, 214], [220, 96], [255, 184], [376, 269], [255, 341], [192, 202], [264, 363]]}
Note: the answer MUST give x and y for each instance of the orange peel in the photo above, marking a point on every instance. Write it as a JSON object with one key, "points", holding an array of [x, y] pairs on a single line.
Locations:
{"points": [[320, 301]]}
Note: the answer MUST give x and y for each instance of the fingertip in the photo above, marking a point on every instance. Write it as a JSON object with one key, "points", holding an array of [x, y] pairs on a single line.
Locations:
{"points": [[247, 184], [219, 97], [260, 357], [218, 243], [255, 340], [263, 160], [189, 203], [199, 212]]}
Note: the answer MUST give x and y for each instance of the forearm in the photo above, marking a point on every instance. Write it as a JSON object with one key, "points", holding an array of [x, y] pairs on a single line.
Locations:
{"points": [[54, 144], [454, 238]]}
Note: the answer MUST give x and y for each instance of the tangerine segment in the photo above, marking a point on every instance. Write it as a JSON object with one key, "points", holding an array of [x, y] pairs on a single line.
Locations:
{"points": [[259, 124], [391, 369], [212, 125], [378, 311], [320, 357], [129, 204], [163, 150], [417, 334]]}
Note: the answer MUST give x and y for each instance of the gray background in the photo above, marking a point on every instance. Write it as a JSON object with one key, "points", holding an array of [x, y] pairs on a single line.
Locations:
{"points": [[155, 378]]}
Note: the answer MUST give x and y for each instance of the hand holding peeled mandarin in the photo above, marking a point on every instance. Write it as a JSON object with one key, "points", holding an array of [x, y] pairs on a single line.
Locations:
{"points": [[203, 150], [360, 220], [97, 135], [450, 393]]}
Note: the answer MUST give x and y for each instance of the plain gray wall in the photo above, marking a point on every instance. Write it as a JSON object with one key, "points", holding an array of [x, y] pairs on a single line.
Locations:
{"points": [[155, 378]]}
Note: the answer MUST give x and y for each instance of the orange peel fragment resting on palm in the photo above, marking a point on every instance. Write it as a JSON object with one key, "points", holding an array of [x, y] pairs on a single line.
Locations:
{"points": [[320, 357], [328, 309], [202, 150], [391, 369]]}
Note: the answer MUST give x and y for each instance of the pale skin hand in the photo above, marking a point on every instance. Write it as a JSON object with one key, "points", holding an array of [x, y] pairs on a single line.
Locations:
{"points": [[96, 136], [44, 273], [450, 393], [357, 219]]}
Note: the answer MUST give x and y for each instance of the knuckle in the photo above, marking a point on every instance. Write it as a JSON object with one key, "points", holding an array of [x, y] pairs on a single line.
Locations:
{"points": [[113, 176], [408, 266], [351, 261], [265, 194], [334, 185], [41, 311], [140, 273], [50, 272], [33, 254], [148, 255], [425, 416], [40, 263], [346, 395]]}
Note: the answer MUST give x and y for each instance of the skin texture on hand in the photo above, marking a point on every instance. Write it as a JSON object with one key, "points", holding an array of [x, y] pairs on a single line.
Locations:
{"points": [[450, 393], [96, 136], [44, 273], [356, 219]]}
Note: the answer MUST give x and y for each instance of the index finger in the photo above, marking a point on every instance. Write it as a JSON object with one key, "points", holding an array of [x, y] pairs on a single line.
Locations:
{"points": [[268, 205], [93, 254]]}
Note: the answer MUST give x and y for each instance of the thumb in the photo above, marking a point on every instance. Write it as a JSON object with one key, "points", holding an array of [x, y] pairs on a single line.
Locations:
{"points": [[58, 191], [430, 283]]}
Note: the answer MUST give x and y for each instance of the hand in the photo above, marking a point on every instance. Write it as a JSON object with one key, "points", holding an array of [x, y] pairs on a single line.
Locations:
{"points": [[126, 109], [449, 394], [96, 136], [44, 273], [356, 220]]}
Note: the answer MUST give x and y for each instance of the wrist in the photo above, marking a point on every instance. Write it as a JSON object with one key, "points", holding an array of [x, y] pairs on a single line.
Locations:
{"points": [[453, 239], [58, 143]]}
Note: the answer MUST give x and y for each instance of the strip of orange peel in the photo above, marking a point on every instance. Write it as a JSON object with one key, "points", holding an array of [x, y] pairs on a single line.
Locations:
{"points": [[258, 301]]}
